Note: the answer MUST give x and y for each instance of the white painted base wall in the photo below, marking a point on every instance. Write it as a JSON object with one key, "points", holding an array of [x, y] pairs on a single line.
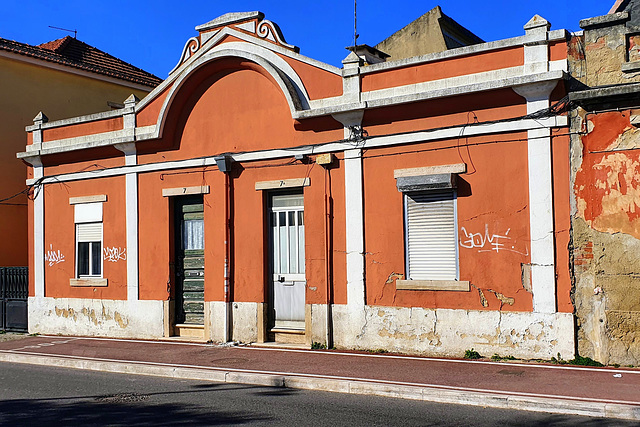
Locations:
{"points": [[244, 321], [96, 317], [442, 332], [436, 332], [215, 320]]}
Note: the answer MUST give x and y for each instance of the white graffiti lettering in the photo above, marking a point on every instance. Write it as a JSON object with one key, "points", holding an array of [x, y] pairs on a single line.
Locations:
{"points": [[53, 257], [114, 254], [486, 242]]}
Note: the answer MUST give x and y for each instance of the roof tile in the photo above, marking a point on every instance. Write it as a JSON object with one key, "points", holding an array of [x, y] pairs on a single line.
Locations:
{"points": [[74, 53]]}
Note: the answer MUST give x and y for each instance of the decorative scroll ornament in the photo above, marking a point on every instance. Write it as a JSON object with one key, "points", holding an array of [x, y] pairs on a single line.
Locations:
{"points": [[270, 31], [191, 47]]}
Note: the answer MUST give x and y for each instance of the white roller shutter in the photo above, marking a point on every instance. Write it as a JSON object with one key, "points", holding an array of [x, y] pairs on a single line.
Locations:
{"points": [[432, 251], [89, 232]]}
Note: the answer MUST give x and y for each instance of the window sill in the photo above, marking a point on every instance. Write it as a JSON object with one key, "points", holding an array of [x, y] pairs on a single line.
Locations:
{"points": [[432, 285], [89, 282]]}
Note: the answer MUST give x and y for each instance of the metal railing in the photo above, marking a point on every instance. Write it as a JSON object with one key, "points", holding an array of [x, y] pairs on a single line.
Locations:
{"points": [[14, 293]]}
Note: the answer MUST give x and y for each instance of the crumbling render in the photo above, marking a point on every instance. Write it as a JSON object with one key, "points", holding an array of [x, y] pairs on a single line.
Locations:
{"points": [[503, 299], [483, 299]]}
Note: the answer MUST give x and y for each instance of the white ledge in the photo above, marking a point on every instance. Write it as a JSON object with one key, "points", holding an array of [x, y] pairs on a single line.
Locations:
{"points": [[89, 282], [283, 183], [87, 199], [184, 191], [430, 170], [432, 285]]}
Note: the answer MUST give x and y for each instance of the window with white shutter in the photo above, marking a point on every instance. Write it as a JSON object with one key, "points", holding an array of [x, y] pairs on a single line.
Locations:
{"points": [[431, 235], [88, 222]]}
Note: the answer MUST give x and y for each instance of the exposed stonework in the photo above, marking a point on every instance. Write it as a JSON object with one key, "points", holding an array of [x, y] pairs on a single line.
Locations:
{"points": [[607, 294]]}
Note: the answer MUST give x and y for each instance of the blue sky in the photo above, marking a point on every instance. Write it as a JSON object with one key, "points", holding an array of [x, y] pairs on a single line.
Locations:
{"points": [[151, 34]]}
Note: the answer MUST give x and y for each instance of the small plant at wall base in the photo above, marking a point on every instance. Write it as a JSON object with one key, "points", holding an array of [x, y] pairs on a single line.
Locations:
{"points": [[497, 357], [472, 354], [578, 360], [318, 346]]}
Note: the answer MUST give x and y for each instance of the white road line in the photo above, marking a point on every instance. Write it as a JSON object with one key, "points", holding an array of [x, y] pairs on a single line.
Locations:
{"points": [[46, 344], [384, 356], [194, 344], [330, 377]]}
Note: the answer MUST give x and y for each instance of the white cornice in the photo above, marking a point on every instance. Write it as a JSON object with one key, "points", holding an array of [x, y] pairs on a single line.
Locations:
{"points": [[371, 142]]}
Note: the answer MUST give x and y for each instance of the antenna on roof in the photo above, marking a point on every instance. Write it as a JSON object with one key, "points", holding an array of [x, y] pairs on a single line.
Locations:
{"points": [[75, 32], [355, 23]]}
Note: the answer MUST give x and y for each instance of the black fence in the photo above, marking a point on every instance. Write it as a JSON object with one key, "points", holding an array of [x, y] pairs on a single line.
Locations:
{"points": [[14, 292]]}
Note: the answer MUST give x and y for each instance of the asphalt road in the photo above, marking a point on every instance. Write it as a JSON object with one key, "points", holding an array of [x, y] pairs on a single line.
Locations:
{"points": [[38, 395]]}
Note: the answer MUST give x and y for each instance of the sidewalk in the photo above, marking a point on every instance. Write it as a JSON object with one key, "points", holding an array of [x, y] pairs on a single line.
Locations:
{"points": [[599, 392]]}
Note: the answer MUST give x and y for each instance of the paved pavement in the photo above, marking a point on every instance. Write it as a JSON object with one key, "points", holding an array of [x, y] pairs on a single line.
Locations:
{"points": [[600, 392]]}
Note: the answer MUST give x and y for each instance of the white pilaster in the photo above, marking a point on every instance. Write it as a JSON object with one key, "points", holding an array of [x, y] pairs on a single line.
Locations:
{"points": [[38, 228], [353, 178], [351, 78], [541, 221], [38, 207], [354, 228], [131, 200], [536, 48]]}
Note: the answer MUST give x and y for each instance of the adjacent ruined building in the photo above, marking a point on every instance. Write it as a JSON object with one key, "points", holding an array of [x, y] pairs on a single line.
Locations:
{"points": [[605, 167]]}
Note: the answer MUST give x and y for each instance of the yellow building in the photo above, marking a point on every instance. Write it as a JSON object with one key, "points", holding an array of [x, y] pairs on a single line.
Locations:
{"points": [[64, 78]]}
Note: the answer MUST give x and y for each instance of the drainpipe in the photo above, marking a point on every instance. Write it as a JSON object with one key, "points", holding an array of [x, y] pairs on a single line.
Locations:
{"points": [[224, 166], [328, 250]]}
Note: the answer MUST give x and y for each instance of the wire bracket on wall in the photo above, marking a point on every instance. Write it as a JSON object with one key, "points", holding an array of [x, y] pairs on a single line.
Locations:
{"points": [[357, 134]]}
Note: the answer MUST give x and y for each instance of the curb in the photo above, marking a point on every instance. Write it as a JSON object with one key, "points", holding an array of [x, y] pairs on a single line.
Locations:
{"points": [[429, 393]]}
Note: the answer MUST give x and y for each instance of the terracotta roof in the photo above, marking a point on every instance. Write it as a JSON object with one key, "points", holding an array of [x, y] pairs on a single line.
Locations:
{"points": [[74, 53]]}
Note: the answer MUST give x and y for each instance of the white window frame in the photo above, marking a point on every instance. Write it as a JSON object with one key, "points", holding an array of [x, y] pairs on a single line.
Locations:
{"points": [[454, 198], [90, 263], [87, 215]]}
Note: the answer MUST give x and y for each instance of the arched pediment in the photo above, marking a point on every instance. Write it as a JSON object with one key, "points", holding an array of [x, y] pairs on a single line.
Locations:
{"points": [[273, 65]]}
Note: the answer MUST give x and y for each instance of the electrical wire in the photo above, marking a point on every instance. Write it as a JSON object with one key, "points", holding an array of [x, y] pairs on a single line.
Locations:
{"points": [[358, 137]]}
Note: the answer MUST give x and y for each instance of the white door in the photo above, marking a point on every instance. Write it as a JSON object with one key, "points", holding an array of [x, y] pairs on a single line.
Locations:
{"points": [[287, 260]]}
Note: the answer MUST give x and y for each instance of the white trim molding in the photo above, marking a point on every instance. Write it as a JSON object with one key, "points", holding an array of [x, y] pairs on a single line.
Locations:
{"points": [[283, 183], [87, 199], [371, 142], [430, 170], [185, 191]]}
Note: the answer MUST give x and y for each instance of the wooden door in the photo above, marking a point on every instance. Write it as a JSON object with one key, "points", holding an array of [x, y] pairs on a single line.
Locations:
{"points": [[189, 216]]}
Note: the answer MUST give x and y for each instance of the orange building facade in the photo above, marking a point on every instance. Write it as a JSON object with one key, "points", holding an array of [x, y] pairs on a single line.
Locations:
{"points": [[418, 206]]}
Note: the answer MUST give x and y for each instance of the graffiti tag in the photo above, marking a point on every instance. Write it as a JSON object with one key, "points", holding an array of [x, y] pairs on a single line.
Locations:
{"points": [[114, 254], [486, 242], [53, 257]]}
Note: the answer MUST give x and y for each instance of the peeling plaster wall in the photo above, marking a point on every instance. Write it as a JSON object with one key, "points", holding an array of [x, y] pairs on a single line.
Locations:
{"points": [[606, 236], [94, 317], [445, 332]]}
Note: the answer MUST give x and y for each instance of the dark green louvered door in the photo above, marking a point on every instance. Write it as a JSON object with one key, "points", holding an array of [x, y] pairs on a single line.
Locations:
{"points": [[189, 215]]}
